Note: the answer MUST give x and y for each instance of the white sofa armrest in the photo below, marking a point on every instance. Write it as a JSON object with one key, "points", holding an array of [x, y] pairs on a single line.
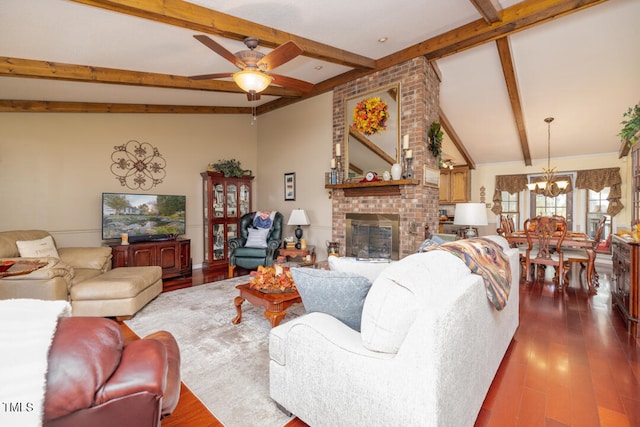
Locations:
{"points": [[334, 333]]}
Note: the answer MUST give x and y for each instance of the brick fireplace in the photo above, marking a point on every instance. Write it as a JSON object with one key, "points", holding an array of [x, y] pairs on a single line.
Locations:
{"points": [[415, 205]]}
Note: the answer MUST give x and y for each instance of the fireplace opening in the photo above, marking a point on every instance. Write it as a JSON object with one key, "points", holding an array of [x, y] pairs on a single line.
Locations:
{"points": [[372, 236]]}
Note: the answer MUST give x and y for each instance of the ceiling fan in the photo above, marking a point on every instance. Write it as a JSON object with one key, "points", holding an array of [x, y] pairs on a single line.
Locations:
{"points": [[253, 77]]}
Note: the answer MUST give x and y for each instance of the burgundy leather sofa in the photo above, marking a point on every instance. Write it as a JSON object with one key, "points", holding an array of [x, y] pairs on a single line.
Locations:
{"points": [[94, 380]]}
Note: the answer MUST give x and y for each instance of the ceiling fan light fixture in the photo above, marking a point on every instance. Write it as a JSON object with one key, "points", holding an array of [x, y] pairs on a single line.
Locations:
{"points": [[252, 80]]}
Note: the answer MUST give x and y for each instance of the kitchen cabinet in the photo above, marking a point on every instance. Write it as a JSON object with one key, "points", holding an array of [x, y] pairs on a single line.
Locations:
{"points": [[455, 185]]}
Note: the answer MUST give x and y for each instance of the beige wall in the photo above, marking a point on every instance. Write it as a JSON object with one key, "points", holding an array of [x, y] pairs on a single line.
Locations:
{"points": [[484, 175], [54, 167], [298, 139]]}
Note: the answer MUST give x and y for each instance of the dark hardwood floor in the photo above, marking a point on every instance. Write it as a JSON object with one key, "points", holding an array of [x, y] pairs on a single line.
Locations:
{"points": [[571, 364]]}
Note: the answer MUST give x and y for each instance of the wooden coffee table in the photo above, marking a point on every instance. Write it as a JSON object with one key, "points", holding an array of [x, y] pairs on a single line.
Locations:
{"points": [[275, 305]]}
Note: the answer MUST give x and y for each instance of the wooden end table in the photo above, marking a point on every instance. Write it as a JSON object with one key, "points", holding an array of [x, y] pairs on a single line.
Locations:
{"points": [[275, 305]]}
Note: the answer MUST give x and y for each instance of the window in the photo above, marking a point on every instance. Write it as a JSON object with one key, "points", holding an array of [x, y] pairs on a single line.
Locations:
{"points": [[561, 205], [510, 204], [597, 204]]}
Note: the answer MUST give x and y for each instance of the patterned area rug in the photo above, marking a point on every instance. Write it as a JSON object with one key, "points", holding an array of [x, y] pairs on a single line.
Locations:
{"points": [[226, 366]]}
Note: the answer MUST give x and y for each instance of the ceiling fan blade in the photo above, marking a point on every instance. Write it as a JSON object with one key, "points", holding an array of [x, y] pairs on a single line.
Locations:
{"points": [[292, 83], [211, 76], [220, 50], [278, 56]]}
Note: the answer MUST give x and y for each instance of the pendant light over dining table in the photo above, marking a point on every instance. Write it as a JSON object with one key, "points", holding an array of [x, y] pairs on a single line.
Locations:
{"points": [[549, 186]]}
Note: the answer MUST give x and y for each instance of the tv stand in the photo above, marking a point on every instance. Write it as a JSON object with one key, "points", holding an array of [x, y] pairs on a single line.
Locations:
{"points": [[174, 256]]}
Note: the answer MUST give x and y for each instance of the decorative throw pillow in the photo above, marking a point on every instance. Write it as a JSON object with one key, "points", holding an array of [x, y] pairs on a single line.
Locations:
{"points": [[37, 248], [338, 294], [257, 238], [369, 269]]}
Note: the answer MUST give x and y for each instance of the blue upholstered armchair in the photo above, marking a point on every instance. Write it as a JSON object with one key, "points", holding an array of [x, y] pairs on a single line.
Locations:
{"points": [[255, 247]]}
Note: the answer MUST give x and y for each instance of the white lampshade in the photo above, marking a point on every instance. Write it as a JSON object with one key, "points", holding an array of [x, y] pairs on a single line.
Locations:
{"points": [[298, 217], [470, 214], [252, 80]]}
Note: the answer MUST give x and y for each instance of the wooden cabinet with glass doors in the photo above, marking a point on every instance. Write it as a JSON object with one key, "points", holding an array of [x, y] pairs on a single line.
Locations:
{"points": [[225, 200]]}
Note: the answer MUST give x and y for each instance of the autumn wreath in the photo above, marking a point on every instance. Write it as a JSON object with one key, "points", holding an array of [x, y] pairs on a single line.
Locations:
{"points": [[370, 116]]}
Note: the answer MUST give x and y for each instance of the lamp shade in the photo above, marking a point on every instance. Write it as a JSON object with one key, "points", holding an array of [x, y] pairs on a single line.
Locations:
{"points": [[470, 214], [298, 217], [252, 80]]}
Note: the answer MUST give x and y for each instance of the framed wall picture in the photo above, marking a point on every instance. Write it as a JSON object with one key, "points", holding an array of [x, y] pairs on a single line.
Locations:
{"points": [[431, 177], [290, 186]]}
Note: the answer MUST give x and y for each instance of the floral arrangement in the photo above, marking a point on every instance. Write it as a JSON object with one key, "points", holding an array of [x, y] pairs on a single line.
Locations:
{"points": [[272, 279], [370, 116]]}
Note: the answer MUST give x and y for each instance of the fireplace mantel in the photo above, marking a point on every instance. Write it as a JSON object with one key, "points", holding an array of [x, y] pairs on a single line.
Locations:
{"points": [[373, 188]]}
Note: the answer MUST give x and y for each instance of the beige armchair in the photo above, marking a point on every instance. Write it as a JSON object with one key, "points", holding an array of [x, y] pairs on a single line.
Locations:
{"points": [[82, 276]]}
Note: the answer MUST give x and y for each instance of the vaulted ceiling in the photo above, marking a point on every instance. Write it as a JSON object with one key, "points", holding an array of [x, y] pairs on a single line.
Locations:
{"points": [[505, 65]]}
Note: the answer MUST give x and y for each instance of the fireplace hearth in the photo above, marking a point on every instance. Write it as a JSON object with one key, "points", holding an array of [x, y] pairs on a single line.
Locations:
{"points": [[372, 236]]}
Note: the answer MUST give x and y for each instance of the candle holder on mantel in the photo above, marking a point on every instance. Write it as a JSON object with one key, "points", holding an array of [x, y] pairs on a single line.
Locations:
{"points": [[339, 173], [407, 156], [409, 171]]}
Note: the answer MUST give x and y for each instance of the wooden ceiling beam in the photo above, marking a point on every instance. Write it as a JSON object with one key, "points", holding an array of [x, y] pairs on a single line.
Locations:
{"points": [[516, 18], [29, 68], [197, 18], [487, 10], [457, 142], [16, 106], [511, 80]]}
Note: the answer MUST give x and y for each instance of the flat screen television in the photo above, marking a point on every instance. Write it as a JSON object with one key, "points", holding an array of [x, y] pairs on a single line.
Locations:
{"points": [[144, 217]]}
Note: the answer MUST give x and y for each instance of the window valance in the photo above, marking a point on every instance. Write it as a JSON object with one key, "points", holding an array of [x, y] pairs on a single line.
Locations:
{"points": [[597, 179], [510, 183], [591, 179]]}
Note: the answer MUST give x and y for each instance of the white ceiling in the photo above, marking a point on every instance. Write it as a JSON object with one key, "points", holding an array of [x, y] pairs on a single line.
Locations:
{"points": [[583, 69]]}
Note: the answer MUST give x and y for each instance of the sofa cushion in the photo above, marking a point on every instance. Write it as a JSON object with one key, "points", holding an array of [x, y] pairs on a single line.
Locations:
{"points": [[427, 278], [338, 294], [37, 248], [257, 238], [369, 269], [8, 248], [97, 258], [84, 353]]}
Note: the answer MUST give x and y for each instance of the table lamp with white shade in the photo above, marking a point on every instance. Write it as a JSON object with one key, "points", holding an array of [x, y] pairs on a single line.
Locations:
{"points": [[470, 214], [298, 217]]}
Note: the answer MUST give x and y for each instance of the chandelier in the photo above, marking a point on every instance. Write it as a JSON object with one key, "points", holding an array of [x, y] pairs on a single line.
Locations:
{"points": [[549, 186]]}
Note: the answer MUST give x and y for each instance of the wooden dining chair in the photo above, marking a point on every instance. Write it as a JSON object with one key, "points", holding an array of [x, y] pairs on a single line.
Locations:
{"points": [[507, 226], [580, 256], [544, 245]]}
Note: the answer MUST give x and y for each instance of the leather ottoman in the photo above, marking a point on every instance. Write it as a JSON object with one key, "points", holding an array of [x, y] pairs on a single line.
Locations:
{"points": [[120, 292]]}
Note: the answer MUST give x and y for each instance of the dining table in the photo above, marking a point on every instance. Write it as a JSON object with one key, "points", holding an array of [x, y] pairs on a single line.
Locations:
{"points": [[573, 239]]}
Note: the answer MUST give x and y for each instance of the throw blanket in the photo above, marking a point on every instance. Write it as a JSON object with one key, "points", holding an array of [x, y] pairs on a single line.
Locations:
{"points": [[487, 259], [27, 327]]}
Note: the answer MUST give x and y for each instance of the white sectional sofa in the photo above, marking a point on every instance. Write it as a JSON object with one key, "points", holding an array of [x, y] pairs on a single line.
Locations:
{"points": [[429, 347]]}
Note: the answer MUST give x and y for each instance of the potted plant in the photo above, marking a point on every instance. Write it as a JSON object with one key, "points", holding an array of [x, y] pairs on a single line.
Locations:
{"points": [[229, 168], [435, 139], [630, 132]]}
